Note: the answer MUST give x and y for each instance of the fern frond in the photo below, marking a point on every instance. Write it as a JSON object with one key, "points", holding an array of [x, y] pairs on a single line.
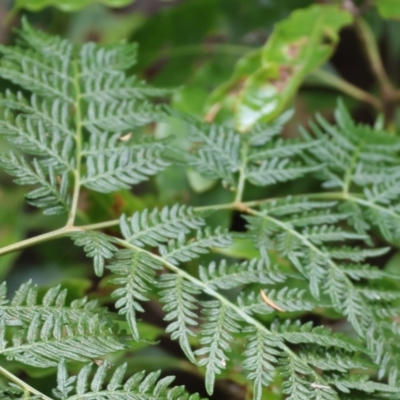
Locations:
{"points": [[297, 382], [107, 144], [96, 245], [220, 323], [99, 60], [135, 273], [361, 383], [24, 306], [31, 136], [355, 155], [70, 99], [138, 386], [43, 43], [158, 226], [279, 149], [184, 249], [44, 77], [217, 152], [263, 133], [43, 343], [180, 304], [329, 269], [276, 170], [52, 194], [14, 392], [121, 171], [224, 276], [335, 361], [289, 300], [305, 333], [261, 359], [366, 271], [54, 114], [120, 116]]}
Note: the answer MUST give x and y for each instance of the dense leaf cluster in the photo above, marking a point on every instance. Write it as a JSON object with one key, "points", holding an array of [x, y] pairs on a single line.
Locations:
{"points": [[76, 131]]}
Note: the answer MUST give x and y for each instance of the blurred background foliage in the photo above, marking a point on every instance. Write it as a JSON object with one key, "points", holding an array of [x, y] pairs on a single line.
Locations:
{"points": [[199, 47]]}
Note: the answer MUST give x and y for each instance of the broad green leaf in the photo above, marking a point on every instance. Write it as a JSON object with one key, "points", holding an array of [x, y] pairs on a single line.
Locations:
{"points": [[67, 5], [388, 8], [265, 80]]}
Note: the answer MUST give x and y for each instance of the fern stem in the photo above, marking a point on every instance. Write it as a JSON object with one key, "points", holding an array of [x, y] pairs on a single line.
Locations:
{"points": [[350, 170], [341, 196], [224, 206], [238, 206], [58, 233], [306, 242], [372, 51], [22, 384], [312, 196], [78, 144], [242, 175], [347, 88], [241, 313]]}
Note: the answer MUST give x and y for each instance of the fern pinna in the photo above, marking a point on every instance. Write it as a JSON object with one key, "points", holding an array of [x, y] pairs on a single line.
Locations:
{"points": [[74, 127]]}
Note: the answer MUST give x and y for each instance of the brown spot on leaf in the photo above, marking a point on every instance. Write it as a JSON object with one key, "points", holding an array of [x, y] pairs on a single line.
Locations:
{"points": [[238, 86], [292, 50], [284, 74]]}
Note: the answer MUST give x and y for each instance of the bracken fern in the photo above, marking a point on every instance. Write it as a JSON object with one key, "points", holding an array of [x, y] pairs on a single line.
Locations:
{"points": [[76, 129]]}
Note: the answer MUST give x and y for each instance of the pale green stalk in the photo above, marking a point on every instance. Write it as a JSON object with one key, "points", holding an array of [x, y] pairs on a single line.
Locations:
{"points": [[23, 385], [78, 149], [242, 314], [347, 88]]}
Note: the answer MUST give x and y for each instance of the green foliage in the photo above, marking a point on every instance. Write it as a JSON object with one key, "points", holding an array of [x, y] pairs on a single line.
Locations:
{"points": [[67, 5], [43, 334], [388, 8], [79, 124], [62, 76]]}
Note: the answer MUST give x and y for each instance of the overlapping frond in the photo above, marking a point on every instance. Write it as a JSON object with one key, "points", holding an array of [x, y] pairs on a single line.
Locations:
{"points": [[310, 240], [219, 152], [216, 149], [43, 343], [135, 274], [52, 192], [357, 156], [285, 299], [180, 305], [96, 245], [41, 334], [24, 306], [159, 226], [187, 248], [216, 339], [14, 392], [79, 101], [141, 385], [226, 276], [261, 359], [121, 171]]}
